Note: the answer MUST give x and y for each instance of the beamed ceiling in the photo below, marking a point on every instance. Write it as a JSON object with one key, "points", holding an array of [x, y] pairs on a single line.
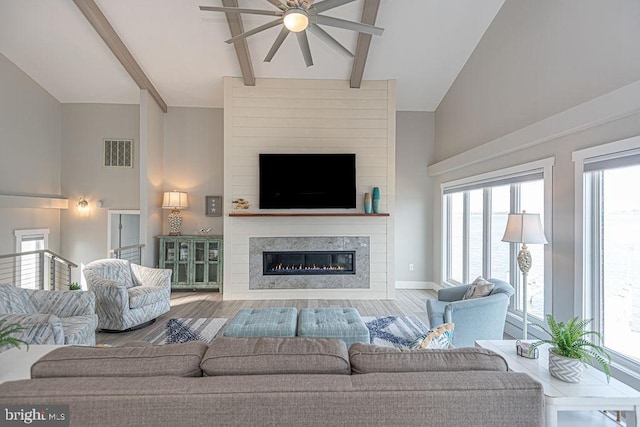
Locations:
{"points": [[104, 51]]}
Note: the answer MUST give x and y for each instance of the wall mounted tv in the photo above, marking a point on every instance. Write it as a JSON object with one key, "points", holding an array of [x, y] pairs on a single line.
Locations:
{"points": [[307, 181]]}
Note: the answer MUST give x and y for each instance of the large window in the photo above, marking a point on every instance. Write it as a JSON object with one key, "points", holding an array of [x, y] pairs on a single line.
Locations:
{"points": [[475, 216], [612, 250]]}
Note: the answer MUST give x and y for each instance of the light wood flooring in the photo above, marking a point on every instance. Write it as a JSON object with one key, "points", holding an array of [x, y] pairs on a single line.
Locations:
{"points": [[408, 302]]}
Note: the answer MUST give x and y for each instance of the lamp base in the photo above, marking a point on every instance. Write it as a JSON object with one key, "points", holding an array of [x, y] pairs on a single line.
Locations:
{"points": [[175, 223]]}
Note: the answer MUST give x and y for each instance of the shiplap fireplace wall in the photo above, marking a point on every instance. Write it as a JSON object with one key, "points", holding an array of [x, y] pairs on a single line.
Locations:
{"points": [[308, 116]]}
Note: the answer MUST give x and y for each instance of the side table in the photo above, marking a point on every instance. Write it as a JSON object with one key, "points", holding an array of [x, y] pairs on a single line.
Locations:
{"points": [[592, 393], [15, 363]]}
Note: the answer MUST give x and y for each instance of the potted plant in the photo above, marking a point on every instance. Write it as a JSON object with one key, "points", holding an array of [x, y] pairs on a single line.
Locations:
{"points": [[7, 332], [572, 348], [74, 286]]}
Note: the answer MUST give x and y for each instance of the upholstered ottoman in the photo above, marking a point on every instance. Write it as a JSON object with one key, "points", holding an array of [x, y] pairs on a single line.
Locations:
{"points": [[263, 322], [343, 323]]}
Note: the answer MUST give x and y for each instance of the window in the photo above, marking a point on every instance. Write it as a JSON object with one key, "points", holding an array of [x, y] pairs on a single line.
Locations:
{"points": [[474, 218], [612, 250], [27, 267]]}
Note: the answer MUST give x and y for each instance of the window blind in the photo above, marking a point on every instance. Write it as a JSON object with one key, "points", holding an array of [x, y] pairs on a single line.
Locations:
{"points": [[497, 182]]}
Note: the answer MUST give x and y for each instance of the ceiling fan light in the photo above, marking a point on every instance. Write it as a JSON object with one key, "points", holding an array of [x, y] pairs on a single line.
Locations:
{"points": [[296, 21]]}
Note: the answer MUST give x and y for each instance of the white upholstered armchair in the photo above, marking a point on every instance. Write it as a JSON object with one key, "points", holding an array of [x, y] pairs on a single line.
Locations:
{"points": [[128, 296], [48, 317]]}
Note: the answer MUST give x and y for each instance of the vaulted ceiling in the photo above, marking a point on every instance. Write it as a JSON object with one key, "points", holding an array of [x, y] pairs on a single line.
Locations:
{"points": [[181, 49]]}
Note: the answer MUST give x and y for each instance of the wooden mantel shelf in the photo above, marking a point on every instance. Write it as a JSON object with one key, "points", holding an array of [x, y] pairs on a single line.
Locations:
{"points": [[255, 214]]}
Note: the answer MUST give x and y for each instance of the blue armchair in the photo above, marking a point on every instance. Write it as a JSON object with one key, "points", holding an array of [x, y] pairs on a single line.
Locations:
{"points": [[474, 319]]}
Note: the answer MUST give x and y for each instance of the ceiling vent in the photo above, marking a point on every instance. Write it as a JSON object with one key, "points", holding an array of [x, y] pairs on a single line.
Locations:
{"points": [[118, 153]]}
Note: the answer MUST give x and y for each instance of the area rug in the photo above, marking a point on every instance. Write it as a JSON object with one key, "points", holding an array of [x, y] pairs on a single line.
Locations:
{"points": [[187, 329], [388, 331]]}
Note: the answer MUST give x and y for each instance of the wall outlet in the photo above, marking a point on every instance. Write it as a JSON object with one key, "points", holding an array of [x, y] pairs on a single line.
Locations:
{"points": [[410, 267]]}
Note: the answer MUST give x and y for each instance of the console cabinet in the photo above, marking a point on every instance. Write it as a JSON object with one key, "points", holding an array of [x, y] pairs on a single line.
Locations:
{"points": [[196, 261]]}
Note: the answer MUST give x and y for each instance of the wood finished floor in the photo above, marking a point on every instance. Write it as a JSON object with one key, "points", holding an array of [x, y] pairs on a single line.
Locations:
{"points": [[408, 302]]}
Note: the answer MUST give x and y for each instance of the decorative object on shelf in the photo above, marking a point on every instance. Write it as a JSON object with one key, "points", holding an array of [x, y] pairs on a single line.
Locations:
{"points": [[367, 203], [213, 205], [522, 348], [375, 199], [572, 348], [204, 231], [175, 200], [240, 203], [74, 286], [524, 228]]}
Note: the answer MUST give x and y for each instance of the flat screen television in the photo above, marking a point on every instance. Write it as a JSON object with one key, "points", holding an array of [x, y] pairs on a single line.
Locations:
{"points": [[307, 181]]}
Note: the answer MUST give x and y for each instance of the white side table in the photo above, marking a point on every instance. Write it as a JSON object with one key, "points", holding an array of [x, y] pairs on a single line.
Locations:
{"points": [[592, 393], [15, 363]]}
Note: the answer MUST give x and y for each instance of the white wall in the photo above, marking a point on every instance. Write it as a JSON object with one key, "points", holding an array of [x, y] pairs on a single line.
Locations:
{"points": [[305, 116], [194, 162], [85, 126], [151, 176], [538, 63], [538, 58], [414, 199], [30, 135]]}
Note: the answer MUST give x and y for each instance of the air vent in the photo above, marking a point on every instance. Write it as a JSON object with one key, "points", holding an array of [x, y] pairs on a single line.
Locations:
{"points": [[118, 153]]}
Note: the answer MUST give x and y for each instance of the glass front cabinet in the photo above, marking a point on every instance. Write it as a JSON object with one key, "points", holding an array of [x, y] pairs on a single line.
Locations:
{"points": [[196, 261]]}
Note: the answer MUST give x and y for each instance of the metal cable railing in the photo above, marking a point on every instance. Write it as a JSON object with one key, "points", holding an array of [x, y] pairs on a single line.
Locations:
{"points": [[132, 253], [41, 269]]}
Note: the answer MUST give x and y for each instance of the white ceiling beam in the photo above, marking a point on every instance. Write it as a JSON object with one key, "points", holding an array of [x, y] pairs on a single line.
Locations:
{"points": [[369, 15], [242, 48], [96, 18]]}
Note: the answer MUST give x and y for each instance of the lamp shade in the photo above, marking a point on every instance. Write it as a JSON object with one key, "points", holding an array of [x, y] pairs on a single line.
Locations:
{"points": [[175, 200], [524, 228]]}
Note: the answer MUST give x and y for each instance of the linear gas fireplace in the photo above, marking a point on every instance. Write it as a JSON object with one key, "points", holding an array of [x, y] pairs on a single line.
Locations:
{"points": [[301, 263], [340, 262]]}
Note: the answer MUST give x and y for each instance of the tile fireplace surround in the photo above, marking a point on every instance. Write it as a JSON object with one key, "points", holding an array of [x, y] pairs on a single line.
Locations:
{"points": [[359, 280]]}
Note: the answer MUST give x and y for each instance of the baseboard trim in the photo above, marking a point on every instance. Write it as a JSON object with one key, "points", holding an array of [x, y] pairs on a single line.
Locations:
{"points": [[404, 284]]}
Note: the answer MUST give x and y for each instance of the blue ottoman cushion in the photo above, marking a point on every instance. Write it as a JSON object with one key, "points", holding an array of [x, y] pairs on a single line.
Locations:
{"points": [[343, 323], [263, 322]]}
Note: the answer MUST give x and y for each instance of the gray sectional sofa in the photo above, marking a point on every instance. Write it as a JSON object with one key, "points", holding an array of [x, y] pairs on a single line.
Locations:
{"points": [[280, 382]]}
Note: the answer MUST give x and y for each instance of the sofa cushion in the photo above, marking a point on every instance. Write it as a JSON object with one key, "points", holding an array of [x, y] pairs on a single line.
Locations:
{"points": [[79, 329], [276, 355], [368, 358], [478, 289], [437, 338], [180, 360]]}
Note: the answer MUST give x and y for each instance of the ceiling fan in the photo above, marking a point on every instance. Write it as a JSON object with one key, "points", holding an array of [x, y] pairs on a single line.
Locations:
{"points": [[298, 16]]}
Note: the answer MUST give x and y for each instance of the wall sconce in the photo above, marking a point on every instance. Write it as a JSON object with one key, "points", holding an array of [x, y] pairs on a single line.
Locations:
{"points": [[175, 200], [82, 204]]}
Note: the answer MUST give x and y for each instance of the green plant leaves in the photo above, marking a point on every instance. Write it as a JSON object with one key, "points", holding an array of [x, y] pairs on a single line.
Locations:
{"points": [[572, 340]]}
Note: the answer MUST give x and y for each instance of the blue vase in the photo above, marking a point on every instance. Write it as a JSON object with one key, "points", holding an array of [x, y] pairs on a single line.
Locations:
{"points": [[375, 200], [367, 203]]}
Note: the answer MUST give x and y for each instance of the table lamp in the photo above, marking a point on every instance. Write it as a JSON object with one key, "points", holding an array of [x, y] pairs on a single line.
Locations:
{"points": [[175, 200], [524, 228]]}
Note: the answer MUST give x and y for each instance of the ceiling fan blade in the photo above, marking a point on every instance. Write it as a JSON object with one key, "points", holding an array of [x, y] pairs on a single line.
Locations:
{"points": [[330, 4], [278, 4], [303, 41], [326, 37], [255, 31], [241, 10], [347, 25], [276, 44]]}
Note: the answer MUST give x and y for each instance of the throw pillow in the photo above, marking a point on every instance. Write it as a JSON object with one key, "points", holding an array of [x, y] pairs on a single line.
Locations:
{"points": [[437, 338], [478, 289]]}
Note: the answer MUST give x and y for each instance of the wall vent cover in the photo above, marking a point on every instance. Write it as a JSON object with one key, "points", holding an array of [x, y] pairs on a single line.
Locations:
{"points": [[118, 153]]}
